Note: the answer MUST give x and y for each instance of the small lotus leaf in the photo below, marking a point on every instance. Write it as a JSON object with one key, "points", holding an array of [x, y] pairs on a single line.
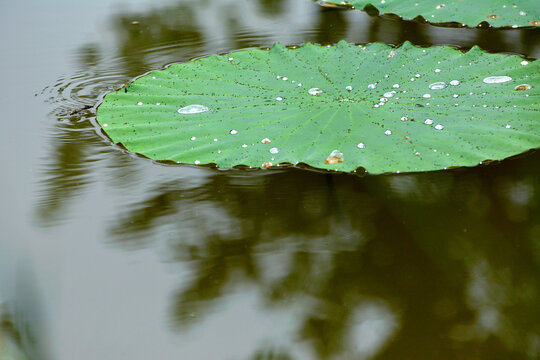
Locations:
{"points": [[497, 13]]}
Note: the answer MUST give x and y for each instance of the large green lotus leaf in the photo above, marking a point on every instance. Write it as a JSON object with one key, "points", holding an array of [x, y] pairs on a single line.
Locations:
{"points": [[497, 13], [381, 108]]}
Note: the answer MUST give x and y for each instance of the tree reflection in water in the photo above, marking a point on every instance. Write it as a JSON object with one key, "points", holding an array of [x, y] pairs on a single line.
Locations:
{"points": [[405, 266], [417, 266]]}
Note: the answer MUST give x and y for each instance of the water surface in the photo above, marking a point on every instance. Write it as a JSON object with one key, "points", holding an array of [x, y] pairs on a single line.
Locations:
{"points": [[107, 255]]}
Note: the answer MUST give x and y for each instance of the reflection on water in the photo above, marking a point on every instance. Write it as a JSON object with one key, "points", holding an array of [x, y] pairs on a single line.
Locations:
{"points": [[417, 266], [388, 265]]}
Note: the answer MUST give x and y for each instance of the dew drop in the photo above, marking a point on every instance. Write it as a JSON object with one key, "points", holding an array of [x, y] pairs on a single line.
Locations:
{"points": [[105, 125], [193, 138], [299, 84], [153, 78], [233, 132], [439, 127], [266, 141], [285, 78], [417, 75], [387, 95], [274, 150], [279, 98], [349, 88], [215, 139], [428, 121], [395, 86], [439, 6], [388, 132], [437, 85], [361, 146], [244, 146], [455, 95], [437, 70], [454, 82], [426, 96], [522, 13], [523, 87], [157, 104], [524, 62], [139, 103], [335, 157], [197, 162], [315, 91], [404, 118], [372, 86], [231, 59], [496, 79], [193, 109]]}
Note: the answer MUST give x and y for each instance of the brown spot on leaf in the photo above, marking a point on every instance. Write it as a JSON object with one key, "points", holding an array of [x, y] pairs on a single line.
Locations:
{"points": [[523, 87]]}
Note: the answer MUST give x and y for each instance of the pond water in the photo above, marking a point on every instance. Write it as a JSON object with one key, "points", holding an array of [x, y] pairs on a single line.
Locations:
{"points": [[105, 255]]}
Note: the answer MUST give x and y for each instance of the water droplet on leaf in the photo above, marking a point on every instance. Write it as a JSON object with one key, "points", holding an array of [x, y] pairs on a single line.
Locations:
{"points": [[315, 91], [523, 87], [437, 85], [193, 109], [335, 157], [497, 79]]}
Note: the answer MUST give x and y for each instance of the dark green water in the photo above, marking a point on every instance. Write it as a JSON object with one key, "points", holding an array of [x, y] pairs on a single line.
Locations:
{"points": [[104, 255]]}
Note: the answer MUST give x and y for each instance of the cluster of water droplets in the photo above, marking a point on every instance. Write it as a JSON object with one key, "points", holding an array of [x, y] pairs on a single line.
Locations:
{"points": [[389, 95]]}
